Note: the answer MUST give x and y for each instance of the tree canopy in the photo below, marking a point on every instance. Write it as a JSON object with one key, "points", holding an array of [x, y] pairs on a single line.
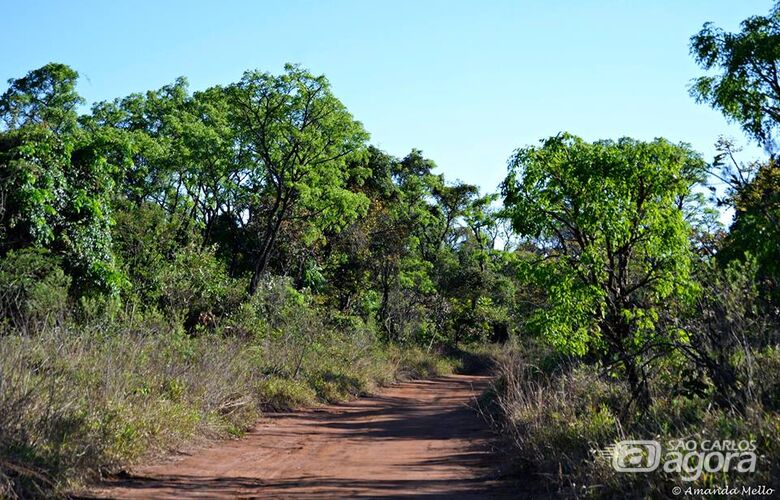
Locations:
{"points": [[612, 241], [747, 88]]}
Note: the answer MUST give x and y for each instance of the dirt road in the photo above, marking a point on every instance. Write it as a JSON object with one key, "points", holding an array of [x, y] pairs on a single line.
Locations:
{"points": [[415, 438]]}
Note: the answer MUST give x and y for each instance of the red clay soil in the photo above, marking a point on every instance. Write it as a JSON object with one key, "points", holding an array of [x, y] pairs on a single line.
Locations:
{"points": [[414, 439]]}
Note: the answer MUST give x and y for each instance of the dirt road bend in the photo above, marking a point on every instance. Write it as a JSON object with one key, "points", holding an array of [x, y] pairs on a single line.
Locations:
{"points": [[413, 439]]}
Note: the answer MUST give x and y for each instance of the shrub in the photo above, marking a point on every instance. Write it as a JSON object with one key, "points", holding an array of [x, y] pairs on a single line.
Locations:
{"points": [[280, 394], [33, 290], [196, 288], [146, 240], [414, 363]]}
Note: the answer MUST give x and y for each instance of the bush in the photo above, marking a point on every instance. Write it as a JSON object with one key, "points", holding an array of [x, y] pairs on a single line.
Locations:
{"points": [[280, 394], [195, 287], [33, 290], [146, 240], [414, 363], [729, 323]]}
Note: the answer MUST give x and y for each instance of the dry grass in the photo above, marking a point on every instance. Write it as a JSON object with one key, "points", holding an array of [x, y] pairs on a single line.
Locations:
{"points": [[554, 412], [84, 399]]}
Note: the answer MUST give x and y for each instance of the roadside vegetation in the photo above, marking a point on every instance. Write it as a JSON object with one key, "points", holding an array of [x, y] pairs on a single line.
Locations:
{"points": [[175, 263], [95, 394], [650, 321]]}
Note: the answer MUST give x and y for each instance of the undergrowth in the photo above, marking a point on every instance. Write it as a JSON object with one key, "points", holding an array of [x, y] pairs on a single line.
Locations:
{"points": [[87, 396], [555, 414]]}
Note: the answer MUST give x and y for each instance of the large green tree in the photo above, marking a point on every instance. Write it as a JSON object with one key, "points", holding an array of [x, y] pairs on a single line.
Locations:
{"points": [[746, 88], [55, 180], [46, 96], [745, 85], [300, 139], [613, 244]]}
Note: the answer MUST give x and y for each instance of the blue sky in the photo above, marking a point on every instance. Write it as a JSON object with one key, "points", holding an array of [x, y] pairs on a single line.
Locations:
{"points": [[466, 82]]}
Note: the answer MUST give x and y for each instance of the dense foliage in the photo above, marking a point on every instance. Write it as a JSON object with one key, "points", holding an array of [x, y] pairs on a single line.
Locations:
{"points": [[747, 90], [155, 193], [252, 232], [612, 241], [248, 231]]}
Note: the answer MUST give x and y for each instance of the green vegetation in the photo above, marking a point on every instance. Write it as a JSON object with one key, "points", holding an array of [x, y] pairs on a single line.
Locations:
{"points": [[650, 321], [611, 239], [173, 264], [554, 412]]}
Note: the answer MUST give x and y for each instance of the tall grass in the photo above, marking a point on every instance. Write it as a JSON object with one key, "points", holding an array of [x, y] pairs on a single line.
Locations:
{"points": [[555, 412], [87, 394]]}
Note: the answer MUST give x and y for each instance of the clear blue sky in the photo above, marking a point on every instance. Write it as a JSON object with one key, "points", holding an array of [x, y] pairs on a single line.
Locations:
{"points": [[466, 82]]}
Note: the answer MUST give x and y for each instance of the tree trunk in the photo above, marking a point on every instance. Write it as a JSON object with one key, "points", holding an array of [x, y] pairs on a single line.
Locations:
{"points": [[272, 229], [619, 333], [261, 264], [637, 381], [384, 305]]}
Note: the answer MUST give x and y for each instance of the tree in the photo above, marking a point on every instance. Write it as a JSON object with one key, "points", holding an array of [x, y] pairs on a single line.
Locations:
{"points": [[300, 139], [478, 284], [352, 256], [145, 132], [55, 181], [451, 203], [755, 197], [613, 243], [747, 90], [46, 96]]}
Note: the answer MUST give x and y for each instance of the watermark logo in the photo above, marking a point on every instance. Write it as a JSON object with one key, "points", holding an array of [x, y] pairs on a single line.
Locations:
{"points": [[688, 458], [634, 455]]}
